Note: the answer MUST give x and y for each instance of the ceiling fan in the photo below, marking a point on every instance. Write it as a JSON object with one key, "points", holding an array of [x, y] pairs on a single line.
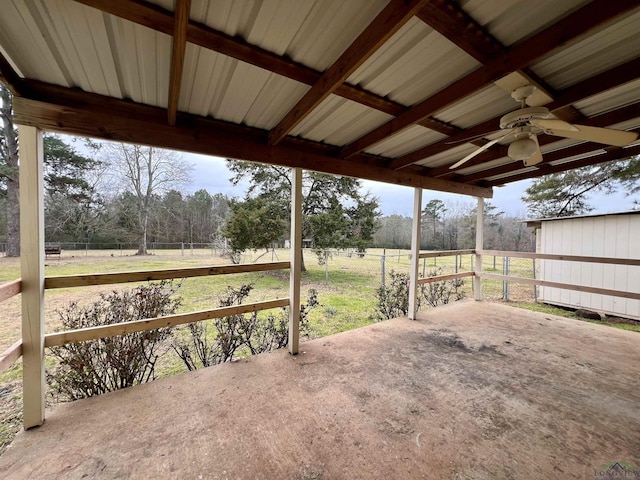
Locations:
{"points": [[522, 127]]}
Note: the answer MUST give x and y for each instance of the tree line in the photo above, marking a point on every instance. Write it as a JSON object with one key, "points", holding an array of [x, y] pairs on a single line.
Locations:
{"points": [[452, 226]]}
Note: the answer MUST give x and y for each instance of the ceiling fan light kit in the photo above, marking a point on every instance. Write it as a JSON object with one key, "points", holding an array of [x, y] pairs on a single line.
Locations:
{"points": [[522, 149]]}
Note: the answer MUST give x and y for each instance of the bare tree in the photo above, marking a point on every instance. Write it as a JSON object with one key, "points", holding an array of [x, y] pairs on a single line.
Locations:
{"points": [[9, 171], [145, 172]]}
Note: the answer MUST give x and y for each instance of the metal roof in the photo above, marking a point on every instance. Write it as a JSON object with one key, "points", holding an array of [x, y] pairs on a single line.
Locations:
{"points": [[391, 90], [535, 222]]}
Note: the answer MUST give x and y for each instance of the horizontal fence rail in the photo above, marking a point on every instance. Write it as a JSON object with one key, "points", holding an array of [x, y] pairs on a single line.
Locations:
{"points": [[442, 278], [569, 258], [94, 333], [149, 275], [10, 355], [567, 286], [445, 253], [10, 289]]}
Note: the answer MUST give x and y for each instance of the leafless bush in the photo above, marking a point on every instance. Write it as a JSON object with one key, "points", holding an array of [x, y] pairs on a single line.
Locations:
{"points": [[393, 298], [221, 340], [85, 369], [441, 293]]}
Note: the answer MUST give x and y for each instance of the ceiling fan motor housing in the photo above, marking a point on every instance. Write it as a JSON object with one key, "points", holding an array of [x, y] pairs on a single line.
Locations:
{"points": [[522, 116]]}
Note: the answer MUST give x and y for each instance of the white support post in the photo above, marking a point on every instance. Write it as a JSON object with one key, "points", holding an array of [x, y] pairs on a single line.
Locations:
{"points": [[477, 280], [415, 253], [296, 260], [32, 268]]}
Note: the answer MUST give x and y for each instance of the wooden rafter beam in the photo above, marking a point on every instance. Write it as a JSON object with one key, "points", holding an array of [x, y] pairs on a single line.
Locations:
{"points": [[610, 118], [564, 32], [592, 86], [388, 22], [448, 19], [160, 20], [183, 8], [10, 78], [546, 169], [86, 114]]}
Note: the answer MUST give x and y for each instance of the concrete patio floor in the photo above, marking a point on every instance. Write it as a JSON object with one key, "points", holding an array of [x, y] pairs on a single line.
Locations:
{"points": [[470, 391]]}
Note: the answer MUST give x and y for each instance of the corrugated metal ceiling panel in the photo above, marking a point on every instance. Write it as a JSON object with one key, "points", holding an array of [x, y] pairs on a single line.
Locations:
{"points": [[337, 121], [489, 102], [26, 46], [144, 78], [413, 64], [597, 53], [515, 20], [313, 32], [611, 99], [406, 141], [226, 89]]}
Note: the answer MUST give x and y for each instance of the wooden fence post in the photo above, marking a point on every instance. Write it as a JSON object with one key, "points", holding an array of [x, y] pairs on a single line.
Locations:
{"points": [[32, 272]]}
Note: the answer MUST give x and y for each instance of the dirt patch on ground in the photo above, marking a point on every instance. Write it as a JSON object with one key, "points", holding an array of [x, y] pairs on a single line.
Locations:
{"points": [[471, 391]]}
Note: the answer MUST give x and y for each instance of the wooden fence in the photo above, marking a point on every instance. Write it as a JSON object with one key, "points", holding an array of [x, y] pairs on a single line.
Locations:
{"points": [[8, 290]]}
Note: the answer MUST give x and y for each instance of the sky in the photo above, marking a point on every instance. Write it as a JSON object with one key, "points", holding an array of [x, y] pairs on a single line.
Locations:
{"points": [[212, 174]]}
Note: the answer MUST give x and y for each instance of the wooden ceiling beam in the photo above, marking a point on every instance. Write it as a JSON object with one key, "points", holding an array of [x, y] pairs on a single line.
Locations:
{"points": [[564, 32], [587, 88], [10, 78], [158, 19], [448, 19], [386, 23], [86, 114], [546, 169], [604, 120], [182, 10]]}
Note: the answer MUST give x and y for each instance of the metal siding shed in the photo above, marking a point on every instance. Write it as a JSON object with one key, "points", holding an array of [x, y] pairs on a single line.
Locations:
{"points": [[605, 235]]}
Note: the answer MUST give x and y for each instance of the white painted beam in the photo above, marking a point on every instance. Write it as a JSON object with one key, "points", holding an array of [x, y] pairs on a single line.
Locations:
{"points": [[32, 273], [296, 260], [415, 253]]}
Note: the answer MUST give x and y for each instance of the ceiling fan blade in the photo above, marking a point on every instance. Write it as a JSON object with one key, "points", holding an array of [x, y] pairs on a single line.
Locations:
{"points": [[536, 158], [475, 152], [607, 136], [553, 124]]}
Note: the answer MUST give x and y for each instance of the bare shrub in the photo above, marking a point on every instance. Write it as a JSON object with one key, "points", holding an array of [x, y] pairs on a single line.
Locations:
{"points": [[85, 369], [204, 344], [393, 298], [441, 293]]}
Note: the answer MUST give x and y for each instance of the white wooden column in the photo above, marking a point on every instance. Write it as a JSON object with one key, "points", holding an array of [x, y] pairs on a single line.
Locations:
{"points": [[32, 268], [296, 260], [477, 280], [415, 253]]}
